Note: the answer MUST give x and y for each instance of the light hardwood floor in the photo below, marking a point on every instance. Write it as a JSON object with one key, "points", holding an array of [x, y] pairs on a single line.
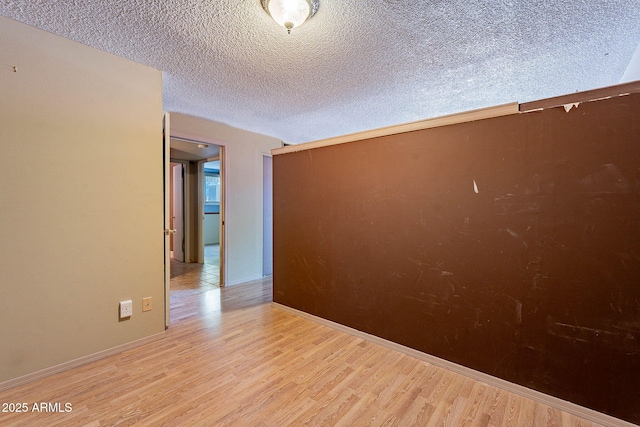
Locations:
{"points": [[232, 358]]}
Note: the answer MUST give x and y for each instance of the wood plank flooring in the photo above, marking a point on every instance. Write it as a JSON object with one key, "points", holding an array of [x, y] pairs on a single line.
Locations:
{"points": [[232, 359]]}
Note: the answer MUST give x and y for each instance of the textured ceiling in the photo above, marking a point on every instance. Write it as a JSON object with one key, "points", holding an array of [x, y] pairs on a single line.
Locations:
{"points": [[356, 65]]}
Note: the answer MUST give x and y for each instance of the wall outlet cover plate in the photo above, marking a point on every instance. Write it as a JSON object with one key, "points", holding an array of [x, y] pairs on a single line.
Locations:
{"points": [[126, 309]]}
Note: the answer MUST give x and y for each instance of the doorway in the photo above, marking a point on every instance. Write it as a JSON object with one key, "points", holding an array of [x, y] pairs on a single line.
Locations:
{"points": [[186, 270], [177, 211], [211, 213]]}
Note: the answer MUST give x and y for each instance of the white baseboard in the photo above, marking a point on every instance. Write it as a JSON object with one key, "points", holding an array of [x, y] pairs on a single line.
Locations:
{"points": [[5, 385], [554, 402]]}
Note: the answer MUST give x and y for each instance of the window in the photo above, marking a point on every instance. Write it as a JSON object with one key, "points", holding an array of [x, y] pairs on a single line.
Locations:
{"points": [[212, 188]]}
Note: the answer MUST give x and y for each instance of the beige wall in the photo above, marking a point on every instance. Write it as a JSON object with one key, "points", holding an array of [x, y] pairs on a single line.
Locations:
{"points": [[80, 200], [243, 151]]}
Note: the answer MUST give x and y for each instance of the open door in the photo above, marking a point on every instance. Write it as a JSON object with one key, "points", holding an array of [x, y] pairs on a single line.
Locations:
{"points": [[167, 216], [177, 209]]}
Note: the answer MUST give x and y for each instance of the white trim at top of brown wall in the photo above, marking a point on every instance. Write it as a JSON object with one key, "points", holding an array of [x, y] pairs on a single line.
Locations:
{"points": [[483, 113]]}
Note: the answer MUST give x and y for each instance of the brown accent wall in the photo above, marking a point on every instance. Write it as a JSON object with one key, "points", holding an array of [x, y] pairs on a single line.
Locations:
{"points": [[508, 245]]}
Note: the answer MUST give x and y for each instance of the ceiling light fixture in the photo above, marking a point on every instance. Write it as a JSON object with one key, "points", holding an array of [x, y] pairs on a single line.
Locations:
{"points": [[290, 13]]}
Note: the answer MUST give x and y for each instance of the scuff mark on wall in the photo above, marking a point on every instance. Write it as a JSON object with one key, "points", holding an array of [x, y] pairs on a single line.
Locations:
{"points": [[518, 313], [512, 233], [606, 179], [615, 336]]}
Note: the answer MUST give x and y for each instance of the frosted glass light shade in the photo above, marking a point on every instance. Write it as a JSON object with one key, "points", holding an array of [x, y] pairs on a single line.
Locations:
{"points": [[290, 13]]}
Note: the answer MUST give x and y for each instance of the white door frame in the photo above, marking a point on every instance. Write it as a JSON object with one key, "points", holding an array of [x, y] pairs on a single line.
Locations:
{"points": [[222, 156], [223, 210], [200, 199], [267, 214], [166, 159]]}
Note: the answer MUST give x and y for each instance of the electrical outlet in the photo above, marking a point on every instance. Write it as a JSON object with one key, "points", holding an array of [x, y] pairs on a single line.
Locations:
{"points": [[146, 304], [126, 309]]}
